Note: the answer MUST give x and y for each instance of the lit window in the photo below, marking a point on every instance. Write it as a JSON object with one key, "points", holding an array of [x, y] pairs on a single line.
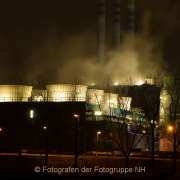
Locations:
{"points": [[31, 113], [98, 113]]}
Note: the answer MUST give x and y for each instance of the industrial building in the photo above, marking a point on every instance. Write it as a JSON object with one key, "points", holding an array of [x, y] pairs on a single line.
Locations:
{"points": [[26, 111], [51, 109]]}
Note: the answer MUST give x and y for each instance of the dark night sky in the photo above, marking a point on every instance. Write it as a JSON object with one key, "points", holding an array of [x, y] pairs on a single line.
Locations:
{"points": [[57, 39]]}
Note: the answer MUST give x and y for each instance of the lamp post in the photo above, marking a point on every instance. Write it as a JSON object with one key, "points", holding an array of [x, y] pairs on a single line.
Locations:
{"points": [[98, 132], [76, 142], [47, 145], [144, 132], [173, 129]]}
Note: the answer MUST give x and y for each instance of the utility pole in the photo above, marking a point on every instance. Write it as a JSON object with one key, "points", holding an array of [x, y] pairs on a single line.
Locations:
{"points": [[76, 142]]}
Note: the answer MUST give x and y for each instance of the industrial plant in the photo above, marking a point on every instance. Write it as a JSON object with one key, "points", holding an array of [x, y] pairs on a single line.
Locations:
{"points": [[116, 26], [53, 109]]}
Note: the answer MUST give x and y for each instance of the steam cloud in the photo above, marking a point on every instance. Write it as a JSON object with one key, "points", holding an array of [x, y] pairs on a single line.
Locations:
{"points": [[75, 57], [65, 57]]}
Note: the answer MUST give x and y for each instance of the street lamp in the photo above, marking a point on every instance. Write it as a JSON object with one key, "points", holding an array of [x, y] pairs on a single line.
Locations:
{"points": [[98, 132], [76, 115], [76, 141], [170, 128], [0, 129], [44, 127]]}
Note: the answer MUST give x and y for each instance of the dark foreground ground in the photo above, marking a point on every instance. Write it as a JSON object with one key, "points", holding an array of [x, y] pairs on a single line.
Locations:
{"points": [[89, 167]]}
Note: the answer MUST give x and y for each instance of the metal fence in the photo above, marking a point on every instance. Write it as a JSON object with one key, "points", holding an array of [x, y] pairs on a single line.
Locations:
{"points": [[43, 99]]}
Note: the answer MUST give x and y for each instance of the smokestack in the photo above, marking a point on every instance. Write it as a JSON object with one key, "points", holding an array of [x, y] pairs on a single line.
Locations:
{"points": [[116, 24], [100, 31], [130, 24]]}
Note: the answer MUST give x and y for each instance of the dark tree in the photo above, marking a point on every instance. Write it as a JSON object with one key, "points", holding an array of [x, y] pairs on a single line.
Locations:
{"points": [[149, 100], [126, 131], [171, 104]]}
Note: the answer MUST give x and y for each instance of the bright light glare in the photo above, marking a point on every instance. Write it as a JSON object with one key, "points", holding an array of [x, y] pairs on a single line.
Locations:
{"points": [[75, 115], [170, 128], [40, 98], [44, 127], [31, 114], [99, 132], [144, 132], [98, 113], [139, 82], [0, 129]]}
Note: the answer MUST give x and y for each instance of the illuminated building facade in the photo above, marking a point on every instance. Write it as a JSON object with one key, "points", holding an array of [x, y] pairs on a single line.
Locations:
{"points": [[29, 110]]}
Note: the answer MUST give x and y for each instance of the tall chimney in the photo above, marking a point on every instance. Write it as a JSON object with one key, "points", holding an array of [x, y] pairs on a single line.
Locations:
{"points": [[100, 31], [130, 24], [116, 24]]}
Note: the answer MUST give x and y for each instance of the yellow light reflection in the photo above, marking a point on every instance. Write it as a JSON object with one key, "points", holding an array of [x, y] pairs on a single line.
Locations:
{"points": [[139, 82], [98, 113]]}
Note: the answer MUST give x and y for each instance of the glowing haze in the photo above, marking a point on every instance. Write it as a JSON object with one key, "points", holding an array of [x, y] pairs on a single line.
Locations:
{"points": [[60, 42], [75, 57]]}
